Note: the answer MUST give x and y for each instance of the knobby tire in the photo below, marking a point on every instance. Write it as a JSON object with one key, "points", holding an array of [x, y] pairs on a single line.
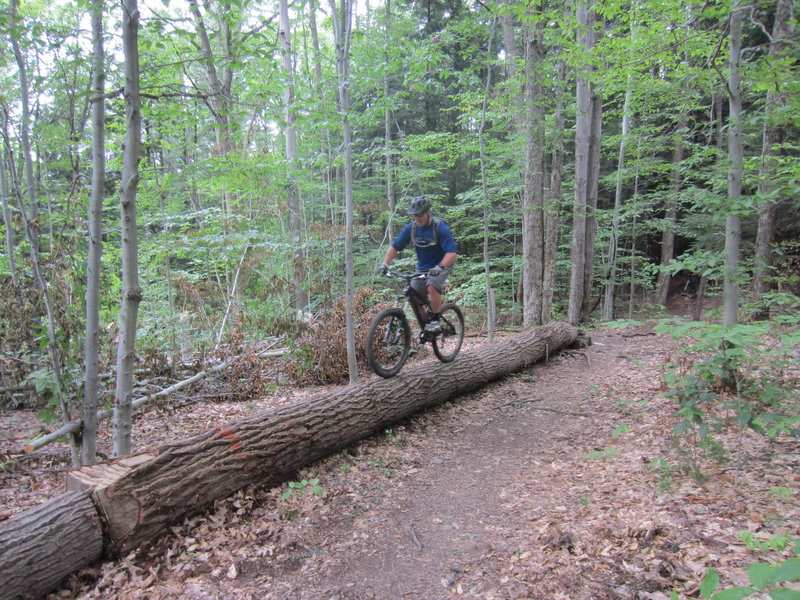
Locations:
{"points": [[447, 344], [388, 342]]}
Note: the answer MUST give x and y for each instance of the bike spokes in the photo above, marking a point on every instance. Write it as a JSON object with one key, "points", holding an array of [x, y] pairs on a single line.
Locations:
{"points": [[388, 342], [447, 344]]}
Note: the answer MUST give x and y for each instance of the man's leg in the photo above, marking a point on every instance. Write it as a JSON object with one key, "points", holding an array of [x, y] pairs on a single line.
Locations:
{"points": [[435, 297]]}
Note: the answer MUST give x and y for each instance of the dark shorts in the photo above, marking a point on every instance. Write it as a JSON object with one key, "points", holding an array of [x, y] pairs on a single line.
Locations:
{"points": [[421, 285]]}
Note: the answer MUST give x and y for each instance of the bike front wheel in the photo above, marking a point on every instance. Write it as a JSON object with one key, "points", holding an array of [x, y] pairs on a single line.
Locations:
{"points": [[447, 344], [388, 342]]}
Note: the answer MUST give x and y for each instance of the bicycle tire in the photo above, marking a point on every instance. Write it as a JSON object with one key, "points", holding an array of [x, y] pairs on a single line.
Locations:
{"points": [[388, 342], [447, 344]]}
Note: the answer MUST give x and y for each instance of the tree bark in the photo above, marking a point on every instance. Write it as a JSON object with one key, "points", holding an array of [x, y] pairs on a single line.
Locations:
{"points": [[533, 210], [290, 133], [142, 495], [131, 292], [7, 218], [92, 341], [671, 216], [487, 270], [342, 27], [783, 32], [44, 545], [608, 305], [583, 132], [733, 232]]}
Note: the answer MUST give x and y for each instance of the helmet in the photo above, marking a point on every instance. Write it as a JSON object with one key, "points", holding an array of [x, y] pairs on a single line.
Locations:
{"points": [[418, 205]]}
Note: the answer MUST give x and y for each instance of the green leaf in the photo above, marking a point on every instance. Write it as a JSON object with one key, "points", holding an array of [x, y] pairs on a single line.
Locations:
{"points": [[737, 593], [784, 594], [760, 574], [709, 583], [620, 430], [788, 570]]}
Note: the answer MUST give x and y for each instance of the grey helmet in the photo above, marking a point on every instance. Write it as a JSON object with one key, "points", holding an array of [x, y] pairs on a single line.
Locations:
{"points": [[418, 205]]}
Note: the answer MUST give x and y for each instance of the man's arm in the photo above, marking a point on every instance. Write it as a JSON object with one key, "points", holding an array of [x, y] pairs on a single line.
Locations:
{"points": [[391, 254], [448, 259]]}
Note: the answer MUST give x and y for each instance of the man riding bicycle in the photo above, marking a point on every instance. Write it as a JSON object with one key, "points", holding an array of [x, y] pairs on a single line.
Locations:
{"points": [[436, 253]]}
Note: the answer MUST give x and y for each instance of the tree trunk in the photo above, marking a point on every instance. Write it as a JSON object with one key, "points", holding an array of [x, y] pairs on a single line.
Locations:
{"points": [[553, 197], [391, 202], [487, 271], [342, 24], [782, 34], [592, 189], [141, 495], [30, 218], [24, 92], [5, 195], [44, 545], [92, 341], [608, 305], [671, 216], [583, 133], [533, 210], [131, 292], [733, 233], [290, 134]]}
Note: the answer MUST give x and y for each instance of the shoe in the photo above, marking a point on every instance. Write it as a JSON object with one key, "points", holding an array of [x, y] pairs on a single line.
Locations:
{"points": [[433, 327]]}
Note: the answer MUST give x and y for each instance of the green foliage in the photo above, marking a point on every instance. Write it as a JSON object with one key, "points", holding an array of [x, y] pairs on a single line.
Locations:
{"points": [[764, 578], [729, 376], [298, 488], [608, 452]]}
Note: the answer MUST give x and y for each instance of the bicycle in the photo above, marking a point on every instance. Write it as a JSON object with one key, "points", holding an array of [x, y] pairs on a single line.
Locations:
{"points": [[389, 336]]}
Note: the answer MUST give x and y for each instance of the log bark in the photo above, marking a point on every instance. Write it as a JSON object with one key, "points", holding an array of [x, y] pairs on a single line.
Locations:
{"points": [[42, 546], [181, 478], [138, 497]]}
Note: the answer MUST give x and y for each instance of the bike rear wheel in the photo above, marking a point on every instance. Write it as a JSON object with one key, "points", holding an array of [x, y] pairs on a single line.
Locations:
{"points": [[388, 342], [447, 344]]}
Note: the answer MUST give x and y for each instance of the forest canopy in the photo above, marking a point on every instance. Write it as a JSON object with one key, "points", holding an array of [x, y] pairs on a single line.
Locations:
{"points": [[590, 160]]}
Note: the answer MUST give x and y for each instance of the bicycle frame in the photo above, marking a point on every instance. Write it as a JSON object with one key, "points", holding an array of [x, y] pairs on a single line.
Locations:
{"points": [[420, 304]]}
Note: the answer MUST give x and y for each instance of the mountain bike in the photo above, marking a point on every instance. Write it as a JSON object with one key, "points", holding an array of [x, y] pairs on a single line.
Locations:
{"points": [[389, 336]]}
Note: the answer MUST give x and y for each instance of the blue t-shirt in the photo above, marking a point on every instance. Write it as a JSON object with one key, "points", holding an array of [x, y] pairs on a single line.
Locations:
{"points": [[429, 254]]}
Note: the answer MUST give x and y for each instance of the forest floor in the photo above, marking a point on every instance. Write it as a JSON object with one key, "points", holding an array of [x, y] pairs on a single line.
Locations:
{"points": [[564, 481]]}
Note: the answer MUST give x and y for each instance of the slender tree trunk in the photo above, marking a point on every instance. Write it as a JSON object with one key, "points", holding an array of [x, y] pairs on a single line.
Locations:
{"points": [[593, 190], [290, 134], [490, 303], [553, 198], [391, 202], [733, 231], [5, 195], [608, 305], [24, 92], [782, 36], [30, 217], [342, 22], [131, 292], [92, 341], [671, 216]]}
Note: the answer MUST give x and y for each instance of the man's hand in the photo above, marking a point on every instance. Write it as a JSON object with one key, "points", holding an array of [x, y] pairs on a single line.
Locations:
{"points": [[383, 269], [435, 271]]}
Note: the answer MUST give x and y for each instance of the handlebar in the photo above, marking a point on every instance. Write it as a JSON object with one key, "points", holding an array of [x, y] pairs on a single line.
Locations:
{"points": [[406, 276]]}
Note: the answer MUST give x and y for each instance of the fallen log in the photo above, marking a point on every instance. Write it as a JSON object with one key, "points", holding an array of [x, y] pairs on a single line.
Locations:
{"points": [[139, 496], [42, 546]]}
